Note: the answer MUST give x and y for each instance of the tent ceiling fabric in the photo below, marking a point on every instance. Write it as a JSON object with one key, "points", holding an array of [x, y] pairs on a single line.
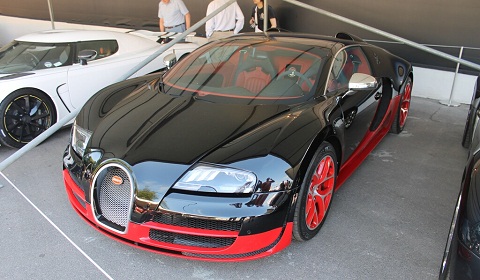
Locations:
{"points": [[430, 22]]}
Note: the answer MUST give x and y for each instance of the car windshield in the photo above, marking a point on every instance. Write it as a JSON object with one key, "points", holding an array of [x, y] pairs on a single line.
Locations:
{"points": [[249, 69], [27, 56]]}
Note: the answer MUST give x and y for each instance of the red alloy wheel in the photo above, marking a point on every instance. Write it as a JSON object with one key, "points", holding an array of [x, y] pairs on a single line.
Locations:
{"points": [[320, 193], [405, 106]]}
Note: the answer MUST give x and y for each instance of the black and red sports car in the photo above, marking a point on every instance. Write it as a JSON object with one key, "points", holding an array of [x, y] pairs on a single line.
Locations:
{"points": [[238, 147]]}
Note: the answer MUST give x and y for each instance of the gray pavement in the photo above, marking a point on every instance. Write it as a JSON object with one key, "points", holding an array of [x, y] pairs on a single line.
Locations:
{"points": [[389, 220]]}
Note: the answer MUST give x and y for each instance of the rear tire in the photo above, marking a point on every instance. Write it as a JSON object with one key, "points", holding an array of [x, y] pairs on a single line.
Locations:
{"points": [[468, 131], [316, 193], [403, 108], [25, 114], [471, 117]]}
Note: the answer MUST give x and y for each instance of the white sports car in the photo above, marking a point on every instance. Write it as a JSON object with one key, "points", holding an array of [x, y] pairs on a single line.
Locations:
{"points": [[44, 76]]}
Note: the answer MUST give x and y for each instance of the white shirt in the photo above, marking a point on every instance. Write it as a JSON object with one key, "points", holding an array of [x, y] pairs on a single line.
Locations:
{"points": [[172, 13], [228, 19]]}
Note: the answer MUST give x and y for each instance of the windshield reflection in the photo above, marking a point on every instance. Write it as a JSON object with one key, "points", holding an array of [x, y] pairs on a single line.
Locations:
{"points": [[240, 69], [27, 56]]}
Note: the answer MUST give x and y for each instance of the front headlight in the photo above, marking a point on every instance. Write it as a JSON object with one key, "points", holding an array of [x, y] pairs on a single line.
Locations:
{"points": [[80, 138], [220, 179]]}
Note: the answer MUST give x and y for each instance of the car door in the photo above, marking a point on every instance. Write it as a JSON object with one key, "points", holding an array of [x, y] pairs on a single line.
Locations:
{"points": [[358, 106], [105, 68]]}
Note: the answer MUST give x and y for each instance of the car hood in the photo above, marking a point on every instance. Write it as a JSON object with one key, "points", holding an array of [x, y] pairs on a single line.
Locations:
{"points": [[147, 125]]}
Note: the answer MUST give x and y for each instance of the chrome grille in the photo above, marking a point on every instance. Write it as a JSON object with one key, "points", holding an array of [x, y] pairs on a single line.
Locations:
{"points": [[113, 200]]}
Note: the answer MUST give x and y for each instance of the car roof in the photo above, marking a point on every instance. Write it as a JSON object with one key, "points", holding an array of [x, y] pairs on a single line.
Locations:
{"points": [[128, 43], [340, 39], [68, 36]]}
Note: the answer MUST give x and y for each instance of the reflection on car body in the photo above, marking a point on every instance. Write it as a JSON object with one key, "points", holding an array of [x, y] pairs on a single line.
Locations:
{"points": [[235, 149]]}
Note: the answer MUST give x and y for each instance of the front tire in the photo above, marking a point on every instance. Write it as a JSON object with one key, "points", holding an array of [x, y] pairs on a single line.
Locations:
{"points": [[25, 114], [315, 194]]}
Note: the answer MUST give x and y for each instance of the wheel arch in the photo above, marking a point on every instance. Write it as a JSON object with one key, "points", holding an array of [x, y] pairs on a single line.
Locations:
{"points": [[404, 82], [410, 75], [402, 86], [327, 134], [55, 105], [23, 124]]}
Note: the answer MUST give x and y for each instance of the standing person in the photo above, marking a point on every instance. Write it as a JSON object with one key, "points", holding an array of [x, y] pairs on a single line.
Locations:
{"points": [[258, 16], [173, 16], [226, 23]]}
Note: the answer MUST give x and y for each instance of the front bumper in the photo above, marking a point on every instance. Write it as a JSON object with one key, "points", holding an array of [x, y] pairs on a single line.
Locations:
{"points": [[187, 236]]}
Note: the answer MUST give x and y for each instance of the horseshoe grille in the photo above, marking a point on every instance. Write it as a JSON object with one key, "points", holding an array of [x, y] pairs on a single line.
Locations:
{"points": [[112, 197]]}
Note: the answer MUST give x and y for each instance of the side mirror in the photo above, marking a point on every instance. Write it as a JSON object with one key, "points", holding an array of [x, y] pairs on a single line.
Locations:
{"points": [[360, 81], [169, 60], [86, 55]]}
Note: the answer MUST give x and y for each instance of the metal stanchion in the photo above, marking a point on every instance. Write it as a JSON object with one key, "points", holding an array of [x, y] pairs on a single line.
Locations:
{"points": [[450, 101], [265, 15], [50, 9]]}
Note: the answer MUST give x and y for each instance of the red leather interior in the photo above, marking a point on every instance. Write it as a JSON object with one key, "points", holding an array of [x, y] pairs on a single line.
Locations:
{"points": [[253, 80]]}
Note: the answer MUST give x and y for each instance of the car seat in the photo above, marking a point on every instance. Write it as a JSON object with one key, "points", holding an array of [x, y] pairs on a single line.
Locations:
{"points": [[351, 66], [254, 73]]}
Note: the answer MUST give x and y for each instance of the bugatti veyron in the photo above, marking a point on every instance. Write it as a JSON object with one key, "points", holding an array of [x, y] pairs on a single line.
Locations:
{"points": [[237, 148]]}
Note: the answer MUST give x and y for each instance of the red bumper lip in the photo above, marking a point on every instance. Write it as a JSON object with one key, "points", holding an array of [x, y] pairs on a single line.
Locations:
{"points": [[138, 235]]}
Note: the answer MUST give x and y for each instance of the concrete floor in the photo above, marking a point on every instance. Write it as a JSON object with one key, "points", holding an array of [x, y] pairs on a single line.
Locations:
{"points": [[389, 220]]}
